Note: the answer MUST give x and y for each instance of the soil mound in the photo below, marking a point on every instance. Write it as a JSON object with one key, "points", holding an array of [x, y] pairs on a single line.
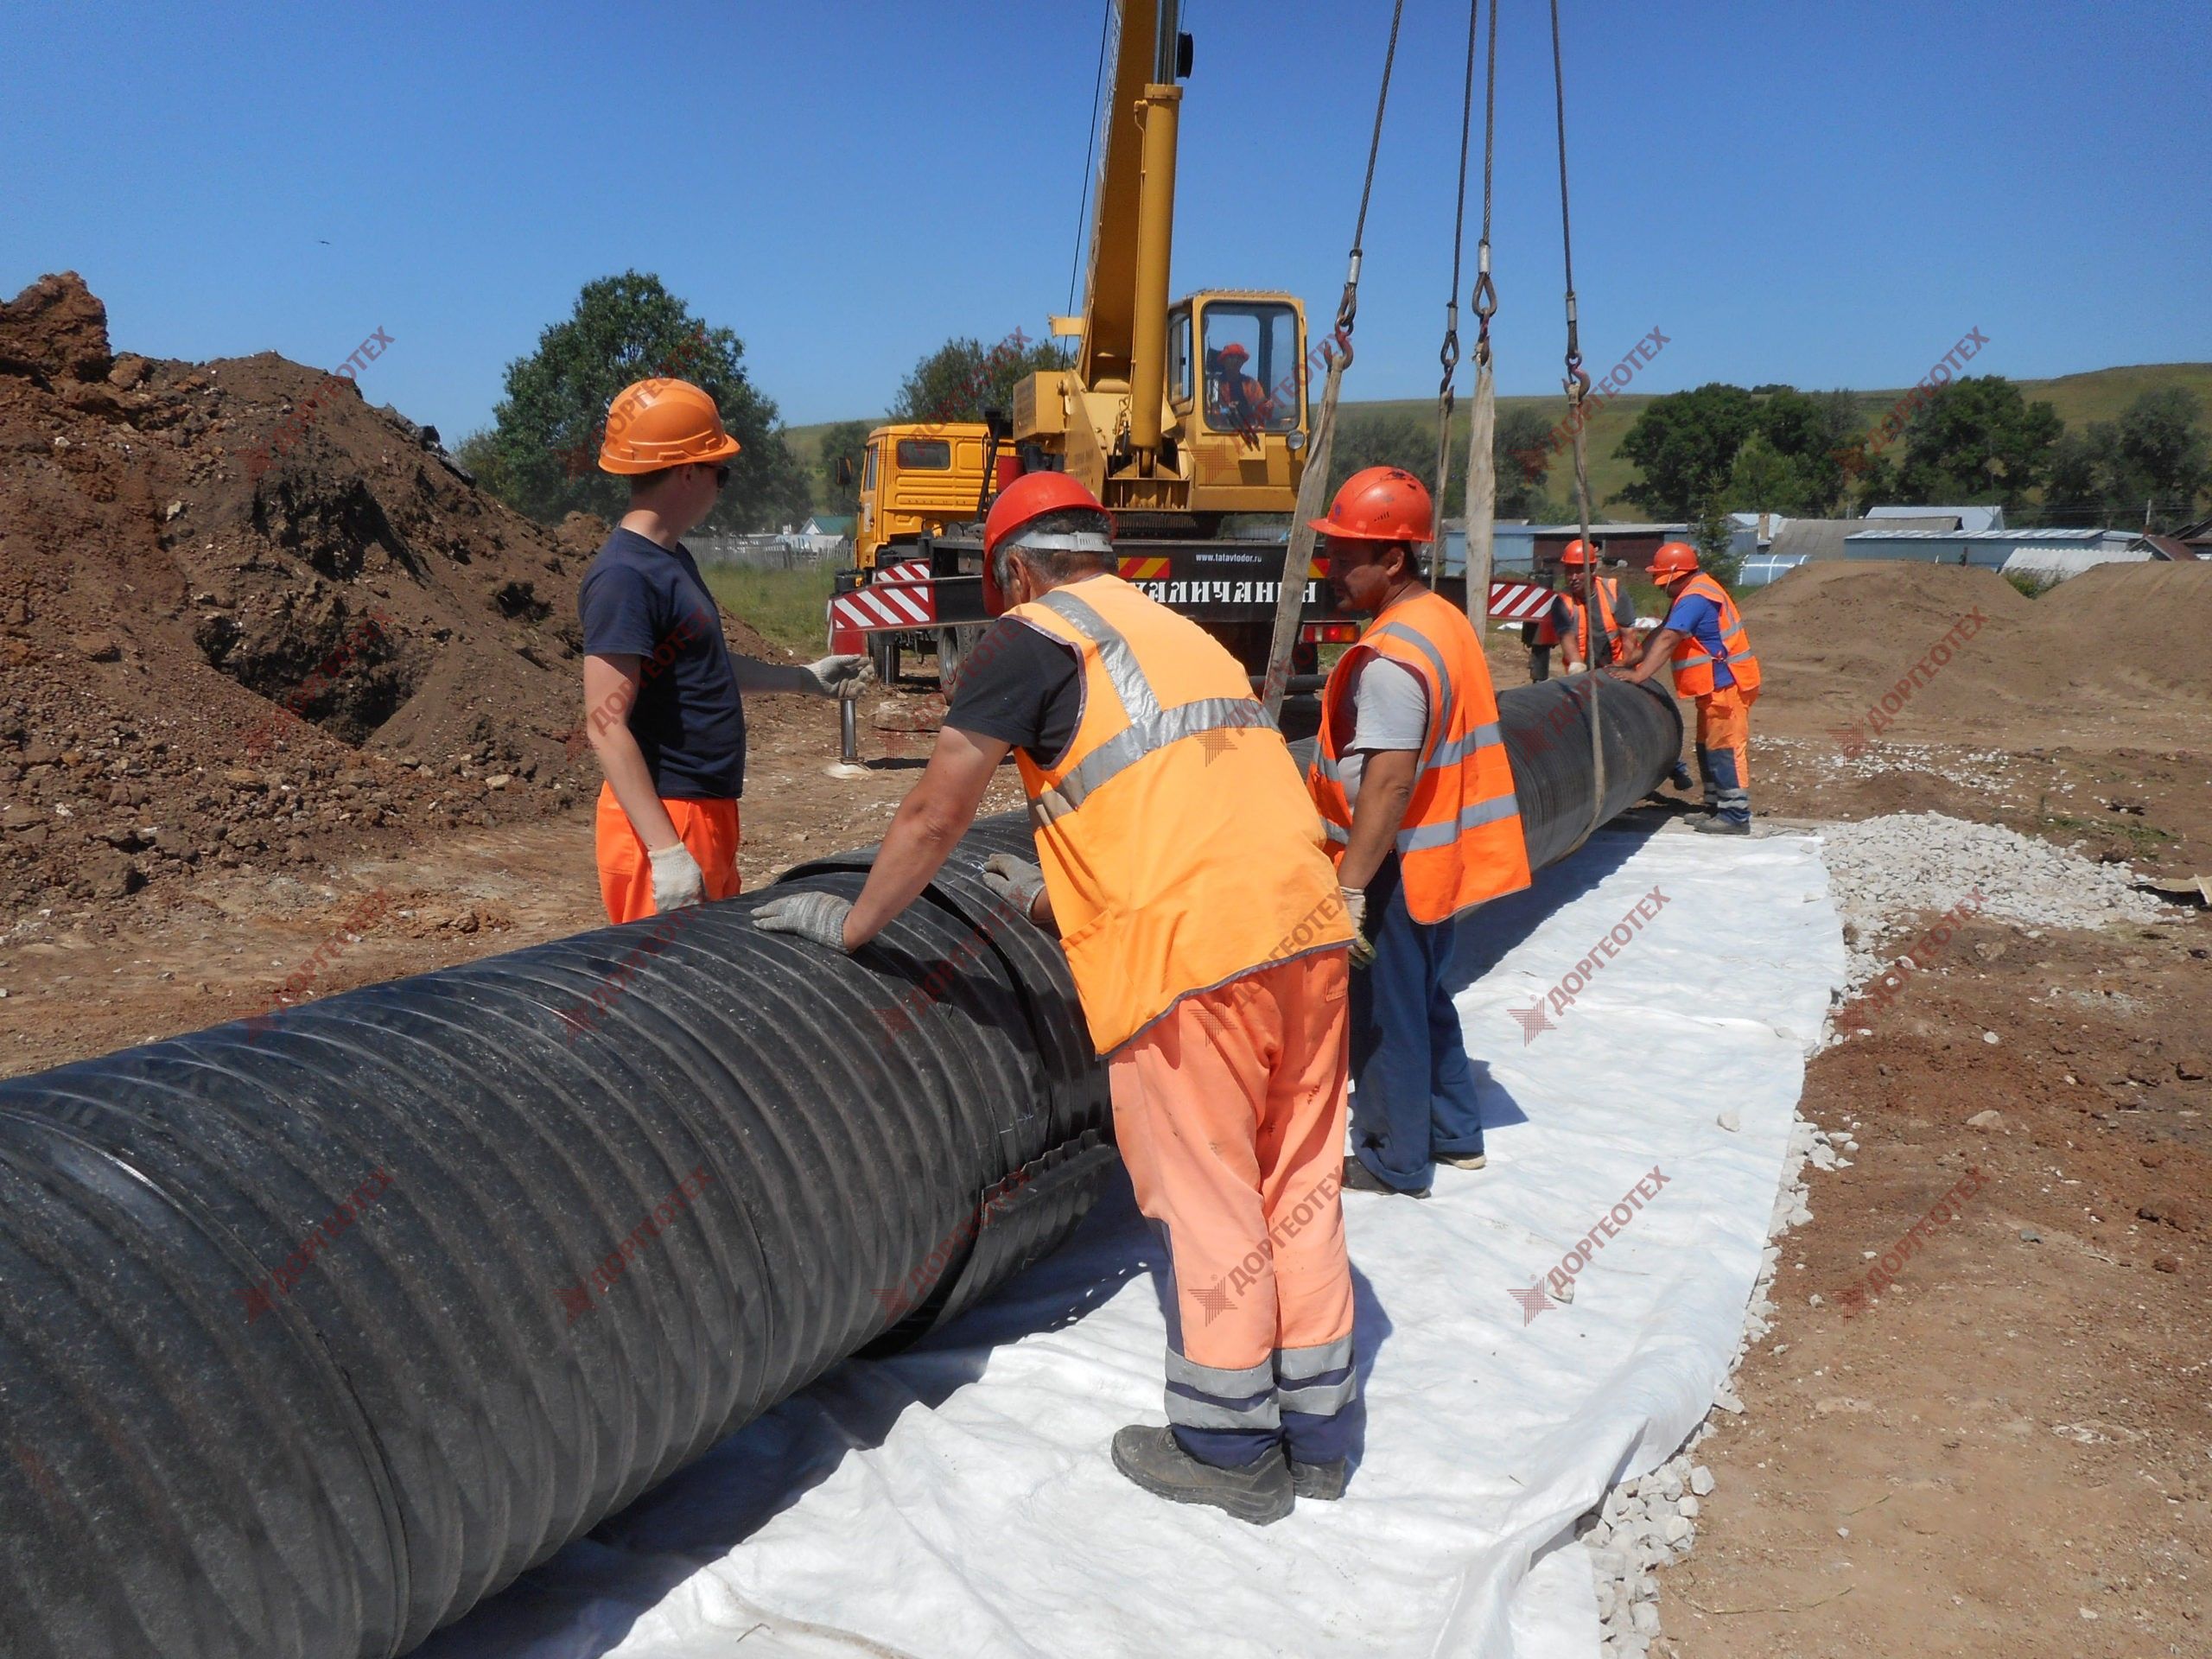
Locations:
{"points": [[2152, 623], [209, 662]]}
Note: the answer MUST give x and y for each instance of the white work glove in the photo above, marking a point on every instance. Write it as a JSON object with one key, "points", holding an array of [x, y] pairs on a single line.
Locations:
{"points": [[677, 879], [837, 677], [818, 917], [1015, 880], [1356, 907]]}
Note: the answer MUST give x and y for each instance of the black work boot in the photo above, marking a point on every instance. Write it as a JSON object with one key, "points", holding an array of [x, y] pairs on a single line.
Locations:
{"points": [[1358, 1177], [1259, 1492], [1325, 1481], [1720, 826]]}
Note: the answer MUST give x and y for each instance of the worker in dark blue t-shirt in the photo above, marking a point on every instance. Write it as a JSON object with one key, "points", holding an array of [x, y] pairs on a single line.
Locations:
{"points": [[661, 687]]}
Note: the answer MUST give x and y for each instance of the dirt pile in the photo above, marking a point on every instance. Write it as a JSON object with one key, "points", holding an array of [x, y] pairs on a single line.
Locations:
{"points": [[2104, 654], [203, 665]]}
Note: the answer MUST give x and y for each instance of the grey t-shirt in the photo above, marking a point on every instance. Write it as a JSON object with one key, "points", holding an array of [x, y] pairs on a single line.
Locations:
{"points": [[1389, 708]]}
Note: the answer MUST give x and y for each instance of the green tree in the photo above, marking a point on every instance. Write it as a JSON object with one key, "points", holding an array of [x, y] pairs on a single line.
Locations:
{"points": [[1684, 445], [847, 441], [2147, 468], [963, 378], [1763, 479], [541, 455], [1523, 461], [1811, 429], [1978, 440], [1405, 440], [1713, 537]]}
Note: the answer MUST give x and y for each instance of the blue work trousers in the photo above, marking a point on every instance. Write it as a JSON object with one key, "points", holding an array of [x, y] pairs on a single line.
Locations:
{"points": [[1413, 1091]]}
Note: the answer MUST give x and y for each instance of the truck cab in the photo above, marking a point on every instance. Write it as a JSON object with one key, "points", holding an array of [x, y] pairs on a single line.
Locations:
{"points": [[917, 480]]}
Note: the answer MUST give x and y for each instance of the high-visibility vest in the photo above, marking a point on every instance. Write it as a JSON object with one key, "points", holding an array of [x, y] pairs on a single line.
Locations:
{"points": [[1608, 600], [1461, 842], [1692, 663], [1178, 842]]}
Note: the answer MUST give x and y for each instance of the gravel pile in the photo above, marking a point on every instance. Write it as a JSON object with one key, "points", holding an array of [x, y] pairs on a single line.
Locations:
{"points": [[1648, 1522], [1885, 871]]}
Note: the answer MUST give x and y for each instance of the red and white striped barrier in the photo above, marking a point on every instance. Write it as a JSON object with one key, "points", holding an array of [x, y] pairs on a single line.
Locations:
{"points": [[1519, 601], [900, 597]]}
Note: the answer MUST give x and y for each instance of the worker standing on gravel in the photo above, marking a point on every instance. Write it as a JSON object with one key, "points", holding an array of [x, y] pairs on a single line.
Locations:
{"points": [[1704, 638], [660, 684], [1569, 621], [1182, 866], [1411, 778]]}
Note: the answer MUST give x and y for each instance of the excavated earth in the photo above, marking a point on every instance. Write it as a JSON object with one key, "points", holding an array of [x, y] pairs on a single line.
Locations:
{"points": [[2004, 1453]]}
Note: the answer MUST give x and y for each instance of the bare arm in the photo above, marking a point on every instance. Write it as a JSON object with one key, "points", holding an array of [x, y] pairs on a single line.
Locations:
{"points": [[1661, 648], [935, 814], [1386, 786], [610, 687]]}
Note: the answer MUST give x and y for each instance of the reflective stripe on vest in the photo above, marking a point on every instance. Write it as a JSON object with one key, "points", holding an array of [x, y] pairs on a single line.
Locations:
{"points": [[1174, 867], [1692, 663]]}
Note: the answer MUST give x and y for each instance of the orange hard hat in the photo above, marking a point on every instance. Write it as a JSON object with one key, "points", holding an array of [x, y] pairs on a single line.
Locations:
{"points": [[1233, 350], [1673, 559], [653, 424], [1380, 504], [1577, 552], [1025, 500]]}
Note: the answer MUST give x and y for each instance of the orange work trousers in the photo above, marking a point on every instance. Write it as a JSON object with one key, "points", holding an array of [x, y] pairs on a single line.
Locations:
{"points": [[1723, 752], [1230, 1109], [626, 871]]}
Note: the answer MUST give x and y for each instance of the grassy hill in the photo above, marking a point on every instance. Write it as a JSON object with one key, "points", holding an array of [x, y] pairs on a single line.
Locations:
{"points": [[2096, 395]]}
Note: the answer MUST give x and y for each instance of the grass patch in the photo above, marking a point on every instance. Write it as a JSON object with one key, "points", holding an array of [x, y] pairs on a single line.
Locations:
{"points": [[2030, 585], [2143, 837], [788, 607]]}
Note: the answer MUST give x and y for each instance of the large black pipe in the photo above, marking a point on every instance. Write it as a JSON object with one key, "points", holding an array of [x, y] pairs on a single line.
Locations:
{"points": [[316, 1330]]}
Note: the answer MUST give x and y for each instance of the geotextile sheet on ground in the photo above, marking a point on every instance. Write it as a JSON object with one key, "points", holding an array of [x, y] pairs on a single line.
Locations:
{"points": [[958, 1499]]}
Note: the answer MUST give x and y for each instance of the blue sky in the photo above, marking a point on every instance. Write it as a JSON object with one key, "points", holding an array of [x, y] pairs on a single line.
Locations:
{"points": [[1822, 194]]}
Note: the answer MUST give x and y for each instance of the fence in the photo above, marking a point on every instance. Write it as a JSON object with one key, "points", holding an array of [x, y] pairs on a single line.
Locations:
{"points": [[771, 552]]}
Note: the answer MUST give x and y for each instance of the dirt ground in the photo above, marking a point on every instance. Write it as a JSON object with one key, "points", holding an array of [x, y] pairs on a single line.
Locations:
{"points": [[2009, 1453]]}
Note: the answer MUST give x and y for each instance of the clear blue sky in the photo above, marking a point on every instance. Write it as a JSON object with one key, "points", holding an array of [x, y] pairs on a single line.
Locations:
{"points": [[1822, 194]]}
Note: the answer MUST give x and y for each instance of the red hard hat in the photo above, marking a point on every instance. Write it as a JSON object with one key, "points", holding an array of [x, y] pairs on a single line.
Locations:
{"points": [[1233, 350], [1023, 501], [1381, 504], [1673, 559], [1577, 552]]}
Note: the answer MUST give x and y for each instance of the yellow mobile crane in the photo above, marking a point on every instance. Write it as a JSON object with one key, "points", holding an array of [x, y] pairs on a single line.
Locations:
{"points": [[1174, 415]]}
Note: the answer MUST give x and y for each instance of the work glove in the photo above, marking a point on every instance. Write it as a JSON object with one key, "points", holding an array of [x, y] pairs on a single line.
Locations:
{"points": [[818, 917], [677, 879], [1015, 880], [1356, 907], [838, 677]]}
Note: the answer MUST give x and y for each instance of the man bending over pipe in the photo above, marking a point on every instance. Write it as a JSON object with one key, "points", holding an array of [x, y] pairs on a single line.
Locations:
{"points": [[1704, 638], [660, 686], [1182, 865], [1413, 781]]}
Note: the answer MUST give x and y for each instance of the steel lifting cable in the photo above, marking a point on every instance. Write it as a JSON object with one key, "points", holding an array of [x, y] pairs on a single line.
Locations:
{"points": [[1578, 383], [1335, 354], [1448, 354], [1082, 196], [1482, 425]]}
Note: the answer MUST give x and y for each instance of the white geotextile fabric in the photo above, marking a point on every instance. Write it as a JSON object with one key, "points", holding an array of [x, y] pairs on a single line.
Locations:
{"points": [[958, 1499]]}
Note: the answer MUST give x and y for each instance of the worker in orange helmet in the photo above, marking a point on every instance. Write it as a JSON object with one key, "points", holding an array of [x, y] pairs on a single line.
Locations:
{"points": [[1703, 637], [1182, 865], [1239, 400], [1616, 615], [1413, 783], [660, 685]]}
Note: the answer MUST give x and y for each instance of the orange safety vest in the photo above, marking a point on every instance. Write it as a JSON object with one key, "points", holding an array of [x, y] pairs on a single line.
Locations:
{"points": [[1461, 842], [1608, 598], [1176, 841], [1692, 663]]}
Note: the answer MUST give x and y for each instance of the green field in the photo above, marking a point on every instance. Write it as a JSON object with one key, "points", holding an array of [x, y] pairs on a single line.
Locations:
{"points": [[789, 607], [2096, 395]]}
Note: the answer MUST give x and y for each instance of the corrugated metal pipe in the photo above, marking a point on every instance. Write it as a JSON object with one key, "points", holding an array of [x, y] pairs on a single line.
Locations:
{"points": [[315, 1330]]}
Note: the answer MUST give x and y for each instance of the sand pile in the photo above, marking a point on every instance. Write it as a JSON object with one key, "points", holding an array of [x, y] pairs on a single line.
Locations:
{"points": [[205, 666]]}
